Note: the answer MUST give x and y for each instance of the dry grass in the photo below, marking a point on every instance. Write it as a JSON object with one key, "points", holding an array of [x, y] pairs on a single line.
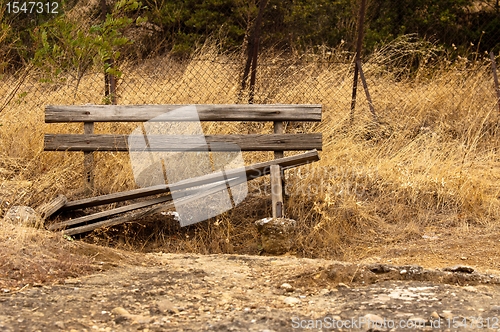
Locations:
{"points": [[432, 162]]}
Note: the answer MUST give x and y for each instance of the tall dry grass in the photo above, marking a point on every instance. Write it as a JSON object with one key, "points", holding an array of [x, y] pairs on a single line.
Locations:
{"points": [[431, 162]]}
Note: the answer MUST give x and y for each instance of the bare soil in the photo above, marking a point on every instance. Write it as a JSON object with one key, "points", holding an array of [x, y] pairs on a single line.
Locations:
{"points": [[437, 281]]}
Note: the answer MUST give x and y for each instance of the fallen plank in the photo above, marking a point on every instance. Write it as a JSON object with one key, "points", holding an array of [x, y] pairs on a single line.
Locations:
{"points": [[150, 211], [104, 214], [252, 171], [52, 207], [182, 143], [115, 197], [123, 209]]}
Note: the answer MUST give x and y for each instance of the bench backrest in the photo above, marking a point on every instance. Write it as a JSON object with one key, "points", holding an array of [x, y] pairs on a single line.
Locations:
{"points": [[277, 113]]}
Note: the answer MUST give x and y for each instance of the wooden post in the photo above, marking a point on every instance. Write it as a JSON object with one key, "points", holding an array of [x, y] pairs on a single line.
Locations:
{"points": [[88, 159], [276, 192]]}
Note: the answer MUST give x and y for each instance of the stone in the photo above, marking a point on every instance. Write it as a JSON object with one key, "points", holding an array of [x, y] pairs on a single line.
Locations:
{"points": [[276, 234], [287, 287], [23, 216], [60, 325], [459, 268], [291, 300], [446, 314], [495, 308], [120, 311]]}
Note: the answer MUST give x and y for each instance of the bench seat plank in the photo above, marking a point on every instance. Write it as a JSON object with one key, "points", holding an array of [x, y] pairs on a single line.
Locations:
{"points": [[251, 142], [143, 113]]}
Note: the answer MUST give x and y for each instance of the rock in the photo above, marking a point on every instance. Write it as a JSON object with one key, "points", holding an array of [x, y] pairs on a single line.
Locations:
{"points": [[292, 300], [435, 315], [380, 268], [120, 311], [23, 216], [60, 325], [459, 268], [287, 287], [446, 314], [495, 308], [276, 234]]}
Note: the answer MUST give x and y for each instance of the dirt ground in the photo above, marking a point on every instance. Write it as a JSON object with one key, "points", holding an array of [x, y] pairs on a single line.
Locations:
{"points": [[436, 282]]}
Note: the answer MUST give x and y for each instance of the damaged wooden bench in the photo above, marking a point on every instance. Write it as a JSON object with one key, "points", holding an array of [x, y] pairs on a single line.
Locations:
{"points": [[278, 141]]}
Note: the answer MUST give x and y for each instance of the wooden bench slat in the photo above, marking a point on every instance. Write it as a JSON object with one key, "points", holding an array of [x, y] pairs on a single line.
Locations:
{"points": [[142, 113], [140, 214], [253, 142]]}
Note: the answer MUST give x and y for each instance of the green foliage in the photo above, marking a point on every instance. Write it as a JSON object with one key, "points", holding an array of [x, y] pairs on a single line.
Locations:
{"points": [[153, 27], [16, 32], [189, 22], [446, 21], [63, 45]]}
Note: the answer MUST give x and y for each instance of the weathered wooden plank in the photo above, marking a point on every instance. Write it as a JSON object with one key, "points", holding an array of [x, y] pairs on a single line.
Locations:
{"points": [[126, 208], [279, 129], [254, 142], [108, 213], [141, 214], [115, 197], [252, 172], [52, 207], [141, 113], [276, 192], [115, 221]]}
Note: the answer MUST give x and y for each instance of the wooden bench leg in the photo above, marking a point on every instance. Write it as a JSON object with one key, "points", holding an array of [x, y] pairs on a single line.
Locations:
{"points": [[279, 129], [276, 192]]}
